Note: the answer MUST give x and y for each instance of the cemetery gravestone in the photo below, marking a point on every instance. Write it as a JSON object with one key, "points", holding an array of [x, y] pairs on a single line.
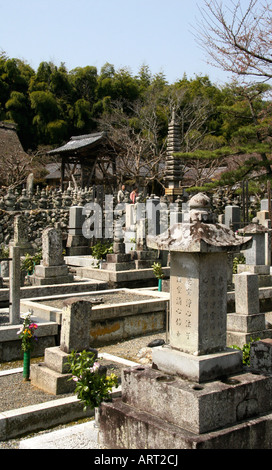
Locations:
{"points": [[76, 244], [52, 269], [247, 322], [53, 375]]}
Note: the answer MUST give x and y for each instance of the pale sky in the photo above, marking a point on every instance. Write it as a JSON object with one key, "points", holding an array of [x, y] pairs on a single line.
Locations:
{"points": [[125, 33]]}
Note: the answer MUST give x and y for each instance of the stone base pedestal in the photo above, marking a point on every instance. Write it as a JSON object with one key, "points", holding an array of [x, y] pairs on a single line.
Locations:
{"points": [[230, 414], [53, 375], [77, 245], [48, 275], [263, 271], [197, 368], [137, 259], [241, 329]]}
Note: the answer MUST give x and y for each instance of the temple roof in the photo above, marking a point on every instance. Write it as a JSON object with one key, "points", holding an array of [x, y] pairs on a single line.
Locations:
{"points": [[9, 141], [79, 144]]}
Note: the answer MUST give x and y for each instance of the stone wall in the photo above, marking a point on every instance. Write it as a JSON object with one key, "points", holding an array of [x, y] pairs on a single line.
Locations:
{"points": [[43, 208]]}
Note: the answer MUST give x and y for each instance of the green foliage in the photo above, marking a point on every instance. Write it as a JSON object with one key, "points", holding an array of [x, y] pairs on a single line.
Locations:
{"points": [[237, 260], [100, 250], [92, 384], [217, 124], [157, 270], [246, 351], [4, 251], [30, 261]]}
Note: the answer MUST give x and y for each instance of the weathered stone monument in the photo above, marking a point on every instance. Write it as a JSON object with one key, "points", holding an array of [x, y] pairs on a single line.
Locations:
{"points": [[53, 375], [52, 269], [14, 285], [198, 293], [247, 322], [76, 243], [232, 218], [257, 255], [20, 238], [196, 395]]}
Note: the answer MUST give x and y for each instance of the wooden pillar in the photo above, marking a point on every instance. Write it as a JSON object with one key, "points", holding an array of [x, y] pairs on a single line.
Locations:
{"points": [[62, 172]]}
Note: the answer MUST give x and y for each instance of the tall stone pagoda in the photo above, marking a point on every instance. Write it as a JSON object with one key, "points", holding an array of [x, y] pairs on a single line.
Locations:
{"points": [[173, 169]]}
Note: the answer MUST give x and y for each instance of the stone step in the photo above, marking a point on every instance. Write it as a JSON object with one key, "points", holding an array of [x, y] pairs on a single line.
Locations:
{"points": [[194, 407], [120, 266], [142, 430], [51, 381]]}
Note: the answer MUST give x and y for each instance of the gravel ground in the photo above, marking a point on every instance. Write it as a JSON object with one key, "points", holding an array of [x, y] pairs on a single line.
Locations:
{"points": [[15, 393]]}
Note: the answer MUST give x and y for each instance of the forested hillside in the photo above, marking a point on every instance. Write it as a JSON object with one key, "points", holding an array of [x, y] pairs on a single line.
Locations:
{"points": [[217, 124]]}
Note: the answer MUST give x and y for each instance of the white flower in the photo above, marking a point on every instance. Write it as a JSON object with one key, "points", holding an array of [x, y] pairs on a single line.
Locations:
{"points": [[27, 314], [95, 367]]}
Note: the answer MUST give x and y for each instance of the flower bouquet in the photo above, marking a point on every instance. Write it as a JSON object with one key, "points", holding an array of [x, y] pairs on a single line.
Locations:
{"points": [[28, 337], [92, 384]]}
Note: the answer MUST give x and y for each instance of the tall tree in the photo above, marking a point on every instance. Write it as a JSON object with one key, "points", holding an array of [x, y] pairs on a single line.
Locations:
{"points": [[247, 145]]}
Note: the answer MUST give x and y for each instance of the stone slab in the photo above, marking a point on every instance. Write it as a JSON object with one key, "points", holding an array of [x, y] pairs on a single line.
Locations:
{"points": [[80, 261], [9, 332], [46, 281], [125, 266], [51, 381], [240, 339], [261, 356], [197, 368], [56, 359], [79, 436], [246, 293], [15, 423], [51, 271], [245, 323], [123, 427], [76, 324], [119, 276], [253, 268], [198, 302], [196, 408]]}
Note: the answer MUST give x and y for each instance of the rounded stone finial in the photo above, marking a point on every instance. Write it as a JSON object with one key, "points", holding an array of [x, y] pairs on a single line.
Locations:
{"points": [[200, 201], [200, 206]]}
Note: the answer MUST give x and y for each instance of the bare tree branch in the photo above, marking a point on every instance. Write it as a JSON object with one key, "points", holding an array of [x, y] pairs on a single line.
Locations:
{"points": [[237, 41]]}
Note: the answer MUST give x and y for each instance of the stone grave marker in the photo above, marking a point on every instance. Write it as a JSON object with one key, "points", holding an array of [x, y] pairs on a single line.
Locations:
{"points": [[52, 269], [53, 375]]}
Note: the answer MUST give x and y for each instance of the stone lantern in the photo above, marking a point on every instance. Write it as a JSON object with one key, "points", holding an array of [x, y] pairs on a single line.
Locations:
{"points": [[196, 395]]}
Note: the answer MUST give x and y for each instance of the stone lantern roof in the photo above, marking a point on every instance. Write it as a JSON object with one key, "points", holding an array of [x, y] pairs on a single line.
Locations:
{"points": [[254, 229], [199, 233]]}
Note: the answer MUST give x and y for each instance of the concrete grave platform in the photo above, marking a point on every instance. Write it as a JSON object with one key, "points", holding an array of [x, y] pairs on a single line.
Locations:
{"points": [[115, 321], [10, 345], [79, 285], [122, 278], [219, 414]]}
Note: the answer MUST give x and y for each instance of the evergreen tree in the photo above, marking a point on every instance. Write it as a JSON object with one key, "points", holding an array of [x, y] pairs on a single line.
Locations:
{"points": [[246, 132]]}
